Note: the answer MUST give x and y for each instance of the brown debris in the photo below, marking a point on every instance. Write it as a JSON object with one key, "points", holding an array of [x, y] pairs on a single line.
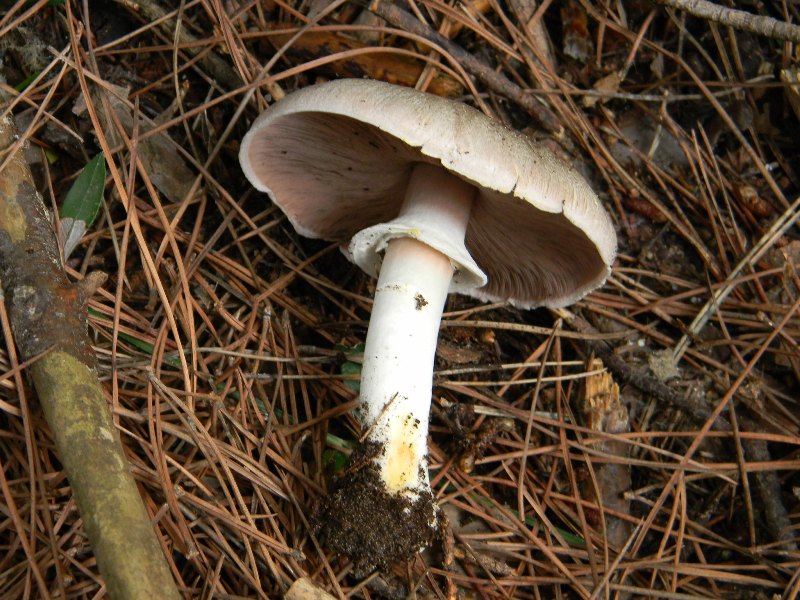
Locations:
{"points": [[575, 25], [499, 83], [476, 444], [390, 67]]}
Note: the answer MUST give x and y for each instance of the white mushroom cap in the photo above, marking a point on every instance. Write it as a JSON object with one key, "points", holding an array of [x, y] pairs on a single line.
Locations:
{"points": [[336, 159]]}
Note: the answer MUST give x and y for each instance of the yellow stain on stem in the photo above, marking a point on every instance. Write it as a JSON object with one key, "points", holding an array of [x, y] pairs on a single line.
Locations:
{"points": [[401, 468]]}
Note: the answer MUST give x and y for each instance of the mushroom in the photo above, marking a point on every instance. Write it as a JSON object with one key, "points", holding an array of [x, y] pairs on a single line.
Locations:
{"points": [[430, 196]]}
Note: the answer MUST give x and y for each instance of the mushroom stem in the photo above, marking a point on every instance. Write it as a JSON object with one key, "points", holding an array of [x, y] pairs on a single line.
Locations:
{"points": [[414, 280], [398, 360]]}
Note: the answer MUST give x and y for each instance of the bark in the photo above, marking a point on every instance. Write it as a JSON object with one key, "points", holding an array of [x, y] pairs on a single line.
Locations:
{"points": [[48, 319]]}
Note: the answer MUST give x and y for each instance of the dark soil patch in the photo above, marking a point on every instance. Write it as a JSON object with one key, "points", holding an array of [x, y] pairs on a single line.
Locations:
{"points": [[375, 528]]}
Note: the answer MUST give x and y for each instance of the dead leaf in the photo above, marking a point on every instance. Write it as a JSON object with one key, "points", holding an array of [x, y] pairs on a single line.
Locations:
{"points": [[642, 132], [791, 77], [457, 354]]}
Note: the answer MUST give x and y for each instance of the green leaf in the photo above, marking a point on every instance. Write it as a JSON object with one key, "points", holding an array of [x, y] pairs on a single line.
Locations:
{"points": [[568, 536], [170, 358], [350, 350], [51, 156], [333, 460], [82, 203]]}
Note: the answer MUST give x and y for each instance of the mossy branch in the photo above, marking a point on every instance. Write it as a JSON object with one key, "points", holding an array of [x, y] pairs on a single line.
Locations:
{"points": [[48, 318]]}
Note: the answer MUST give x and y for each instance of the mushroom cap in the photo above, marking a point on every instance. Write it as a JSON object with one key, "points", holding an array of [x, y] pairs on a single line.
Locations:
{"points": [[336, 158]]}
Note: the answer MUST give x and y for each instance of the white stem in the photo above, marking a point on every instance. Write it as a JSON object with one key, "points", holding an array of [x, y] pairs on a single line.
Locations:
{"points": [[397, 373]]}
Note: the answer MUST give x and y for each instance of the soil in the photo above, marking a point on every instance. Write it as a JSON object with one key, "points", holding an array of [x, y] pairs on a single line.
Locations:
{"points": [[375, 528]]}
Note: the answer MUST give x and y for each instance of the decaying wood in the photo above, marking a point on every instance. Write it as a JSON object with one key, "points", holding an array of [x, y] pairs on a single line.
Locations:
{"points": [[695, 406], [304, 589], [604, 413]]}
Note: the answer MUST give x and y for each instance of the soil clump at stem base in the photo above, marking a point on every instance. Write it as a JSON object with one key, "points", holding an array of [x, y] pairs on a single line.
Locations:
{"points": [[372, 526]]}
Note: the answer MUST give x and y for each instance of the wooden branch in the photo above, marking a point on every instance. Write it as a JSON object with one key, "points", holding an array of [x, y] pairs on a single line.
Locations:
{"points": [[738, 19], [48, 319]]}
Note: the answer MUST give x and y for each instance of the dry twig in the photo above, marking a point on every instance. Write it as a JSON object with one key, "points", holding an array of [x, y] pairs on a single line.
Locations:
{"points": [[738, 19]]}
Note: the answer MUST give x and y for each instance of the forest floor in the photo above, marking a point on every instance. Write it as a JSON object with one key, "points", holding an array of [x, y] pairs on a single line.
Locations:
{"points": [[644, 442]]}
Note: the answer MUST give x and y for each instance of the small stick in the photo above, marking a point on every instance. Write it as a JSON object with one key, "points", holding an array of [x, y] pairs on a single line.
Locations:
{"points": [[738, 19]]}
